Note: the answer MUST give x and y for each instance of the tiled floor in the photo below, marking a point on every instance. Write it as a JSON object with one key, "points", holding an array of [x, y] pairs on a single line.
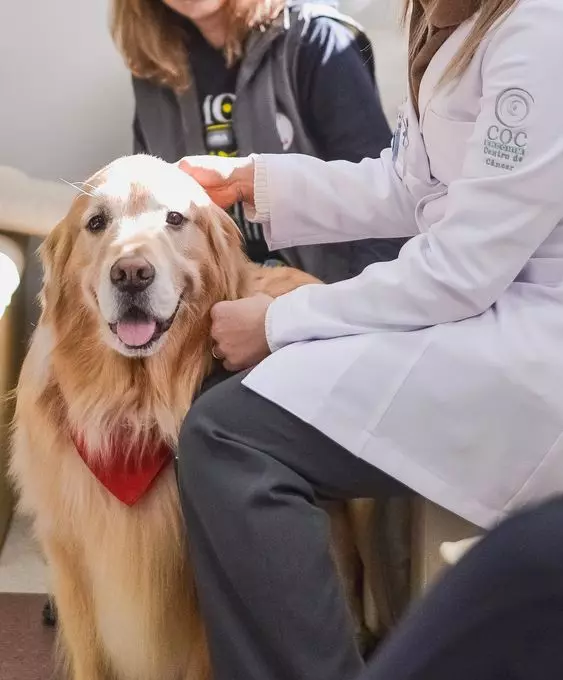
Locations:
{"points": [[26, 645], [22, 569]]}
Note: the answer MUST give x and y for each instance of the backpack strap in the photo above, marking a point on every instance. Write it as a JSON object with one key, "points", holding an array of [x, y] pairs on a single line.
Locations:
{"points": [[299, 15]]}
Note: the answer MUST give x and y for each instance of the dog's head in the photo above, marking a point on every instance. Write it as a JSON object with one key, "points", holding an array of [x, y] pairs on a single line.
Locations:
{"points": [[140, 248]]}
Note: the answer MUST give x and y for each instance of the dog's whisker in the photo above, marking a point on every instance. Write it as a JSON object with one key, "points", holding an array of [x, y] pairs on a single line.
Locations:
{"points": [[85, 184], [74, 186]]}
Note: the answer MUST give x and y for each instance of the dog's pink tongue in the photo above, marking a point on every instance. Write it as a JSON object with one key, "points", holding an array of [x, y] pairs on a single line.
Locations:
{"points": [[135, 334]]}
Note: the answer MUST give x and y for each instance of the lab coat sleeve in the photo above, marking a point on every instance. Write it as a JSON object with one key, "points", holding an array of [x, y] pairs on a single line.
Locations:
{"points": [[496, 216], [302, 200]]}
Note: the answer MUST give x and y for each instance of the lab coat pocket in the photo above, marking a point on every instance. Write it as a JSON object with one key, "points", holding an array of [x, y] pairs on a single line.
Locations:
{"points": [[446, 143], [416, 167], [431, 208]]}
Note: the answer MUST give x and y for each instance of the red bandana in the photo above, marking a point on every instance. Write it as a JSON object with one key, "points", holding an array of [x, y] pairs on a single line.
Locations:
{"points": [[127, 478]]}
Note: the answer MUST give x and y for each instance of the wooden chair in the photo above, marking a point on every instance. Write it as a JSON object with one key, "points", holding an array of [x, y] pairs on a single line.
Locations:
{"points": [[11, 267]]}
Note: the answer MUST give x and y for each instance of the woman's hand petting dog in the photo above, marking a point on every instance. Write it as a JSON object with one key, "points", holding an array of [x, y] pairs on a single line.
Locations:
{"points": [[226, 180], [238, 329]]}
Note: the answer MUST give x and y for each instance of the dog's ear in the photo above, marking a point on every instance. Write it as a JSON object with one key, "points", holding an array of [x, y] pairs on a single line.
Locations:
{"points": [[228, 267], [54, 253]]}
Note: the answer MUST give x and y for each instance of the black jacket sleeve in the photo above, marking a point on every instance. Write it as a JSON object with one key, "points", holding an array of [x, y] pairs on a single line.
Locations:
{"points": [[338, 97]]}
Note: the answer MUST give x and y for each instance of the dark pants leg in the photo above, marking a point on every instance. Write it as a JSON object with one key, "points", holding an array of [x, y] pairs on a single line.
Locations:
{"points": [[250, 474], [497, 615]]}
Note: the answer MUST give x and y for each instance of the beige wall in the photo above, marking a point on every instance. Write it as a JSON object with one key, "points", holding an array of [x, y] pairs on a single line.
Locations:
{"points": [[381, 18], [66, 101]]}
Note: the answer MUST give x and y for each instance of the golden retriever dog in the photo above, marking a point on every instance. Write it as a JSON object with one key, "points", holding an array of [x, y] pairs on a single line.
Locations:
{"points": [[120, 351]]}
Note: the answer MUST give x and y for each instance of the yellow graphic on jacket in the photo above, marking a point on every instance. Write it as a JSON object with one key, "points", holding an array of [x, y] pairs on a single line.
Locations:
{"points": [[218, 122]]}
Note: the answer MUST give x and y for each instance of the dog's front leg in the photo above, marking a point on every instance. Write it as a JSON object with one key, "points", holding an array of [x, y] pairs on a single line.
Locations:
{"points": [[78, 641]]}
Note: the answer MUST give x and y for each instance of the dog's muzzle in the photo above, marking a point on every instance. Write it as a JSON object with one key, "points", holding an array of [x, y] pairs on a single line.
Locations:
{"points": [[132, 275]]}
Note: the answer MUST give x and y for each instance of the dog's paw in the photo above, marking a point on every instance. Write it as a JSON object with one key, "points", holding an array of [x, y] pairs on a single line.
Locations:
{"points": [[49, 613]]}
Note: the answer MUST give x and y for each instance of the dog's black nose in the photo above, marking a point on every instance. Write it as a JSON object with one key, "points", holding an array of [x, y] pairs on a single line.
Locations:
{"points": [[132, 274]]}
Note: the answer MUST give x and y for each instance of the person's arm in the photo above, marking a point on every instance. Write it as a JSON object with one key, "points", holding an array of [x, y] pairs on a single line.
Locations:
{"points": [[340, 107], [337, 94], [496, 217], [302, 200], [309, 200]]}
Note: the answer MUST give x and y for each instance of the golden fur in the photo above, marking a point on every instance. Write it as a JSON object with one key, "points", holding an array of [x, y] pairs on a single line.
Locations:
{"points": [[120, 575]]}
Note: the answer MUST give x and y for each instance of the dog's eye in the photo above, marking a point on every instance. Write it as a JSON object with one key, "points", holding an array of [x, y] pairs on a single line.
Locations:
{"points": [[175, 219], [97, 223]]}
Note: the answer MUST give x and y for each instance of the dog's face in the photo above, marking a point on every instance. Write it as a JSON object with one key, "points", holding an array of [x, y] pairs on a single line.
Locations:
{"points": [[140, 245]]}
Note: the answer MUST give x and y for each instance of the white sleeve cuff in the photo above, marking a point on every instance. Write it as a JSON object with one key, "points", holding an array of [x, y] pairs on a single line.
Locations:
{"points": [[261, 211], [270, 331], [281, 317]]}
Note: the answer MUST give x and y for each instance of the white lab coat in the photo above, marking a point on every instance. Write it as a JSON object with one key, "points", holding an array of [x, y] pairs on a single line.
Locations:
{"points": [[443, 368]]}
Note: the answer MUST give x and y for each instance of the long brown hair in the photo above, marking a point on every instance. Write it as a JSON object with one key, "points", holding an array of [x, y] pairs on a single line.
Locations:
{"points": [[150, 37], [489, 12]]}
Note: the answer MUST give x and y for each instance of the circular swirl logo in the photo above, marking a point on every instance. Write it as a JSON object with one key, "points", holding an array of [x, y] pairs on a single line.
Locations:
{"points": [[513, 107]]}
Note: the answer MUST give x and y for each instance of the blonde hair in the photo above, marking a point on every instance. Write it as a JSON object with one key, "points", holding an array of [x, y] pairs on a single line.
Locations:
{"points": [[150, 37], [489, 12]]}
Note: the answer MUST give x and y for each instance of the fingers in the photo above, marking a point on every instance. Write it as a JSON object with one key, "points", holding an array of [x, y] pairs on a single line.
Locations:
{"points": [[211, 166], [193, 163], [222, 350], [217, 187], [217, 313], [226, 180], [201, 174], [237, 330], [228, 365], [219, 309]]}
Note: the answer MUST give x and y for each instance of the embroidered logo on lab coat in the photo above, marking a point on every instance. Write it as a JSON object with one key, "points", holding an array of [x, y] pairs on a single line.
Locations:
{"points": [[513, 107], [506, 141]]}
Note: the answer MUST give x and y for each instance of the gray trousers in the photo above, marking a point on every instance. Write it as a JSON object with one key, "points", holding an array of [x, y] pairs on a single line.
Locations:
{"points": [[250, 475]]}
